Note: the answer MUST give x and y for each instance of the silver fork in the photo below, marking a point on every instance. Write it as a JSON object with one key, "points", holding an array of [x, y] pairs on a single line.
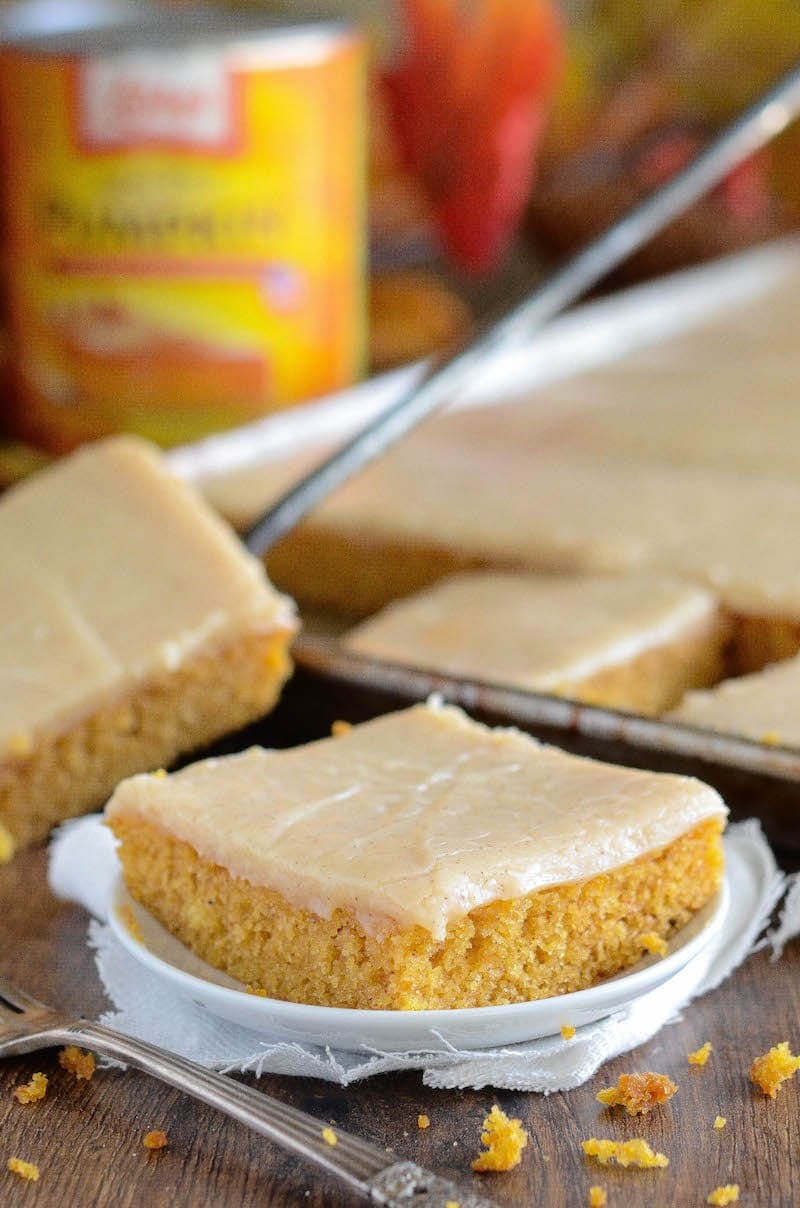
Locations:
{"points": [[27, 1025]]}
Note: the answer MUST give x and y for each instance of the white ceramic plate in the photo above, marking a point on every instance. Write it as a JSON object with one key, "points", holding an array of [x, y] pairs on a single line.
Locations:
{"points": [[404, 1031]]}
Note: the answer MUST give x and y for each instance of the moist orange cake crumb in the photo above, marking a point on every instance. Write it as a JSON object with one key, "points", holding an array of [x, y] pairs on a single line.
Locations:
{"points": [[625, 1153], [329, 1136], [720, 1196], [567, 1031], [597, 1197], [720, 1122], [504, 1139], [655, 943], [700, 1056], [773, 1068], [32, 1091], [76, 1062], [638, 1093], [25, 1170], [423, 1122], [341, 727], [155, 1139]]}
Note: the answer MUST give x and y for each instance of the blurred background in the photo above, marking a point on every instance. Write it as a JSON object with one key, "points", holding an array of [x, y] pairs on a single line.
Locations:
{"points": [[211, 215]]}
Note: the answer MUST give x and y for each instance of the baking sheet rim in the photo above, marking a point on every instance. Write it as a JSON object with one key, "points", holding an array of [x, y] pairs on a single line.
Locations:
{"points": [[517, 706]]}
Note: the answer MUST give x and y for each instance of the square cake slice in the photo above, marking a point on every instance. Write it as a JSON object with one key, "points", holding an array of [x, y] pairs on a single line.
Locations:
{"points": [[764, 706], [633, 642], [133, 627], [420, 860]]}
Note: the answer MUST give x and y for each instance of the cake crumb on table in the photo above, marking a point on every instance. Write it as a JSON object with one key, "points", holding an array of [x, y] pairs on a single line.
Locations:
{"points": [[720, 1122], [32, 1091], [25, 1170], [423, 1121], [329, 1136], [773, 1068], [720, 1196], [567, 1031], [597, 1197], [700, 1056], [339, 728], [638, 1093], [626, 1153], [155, 1139], [504, 1139], [76, 1062], [654, 943]]}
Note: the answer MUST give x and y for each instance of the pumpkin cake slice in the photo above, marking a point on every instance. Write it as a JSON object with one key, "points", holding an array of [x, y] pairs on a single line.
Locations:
{"points": [[420, 860], [763, 706], [133, 628], [632, 642]]}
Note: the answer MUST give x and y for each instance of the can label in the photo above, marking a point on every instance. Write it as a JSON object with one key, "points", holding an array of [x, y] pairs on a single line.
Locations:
{"points": [[127, 102], [184, 233]]}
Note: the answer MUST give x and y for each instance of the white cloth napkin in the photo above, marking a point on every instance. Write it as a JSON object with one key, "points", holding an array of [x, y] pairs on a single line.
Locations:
{"points": [[83, 866]]}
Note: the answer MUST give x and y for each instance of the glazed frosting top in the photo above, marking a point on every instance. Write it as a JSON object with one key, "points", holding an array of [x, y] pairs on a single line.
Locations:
{"points": [[764, 706], [531, 630], [416, 817], [111, 570]]}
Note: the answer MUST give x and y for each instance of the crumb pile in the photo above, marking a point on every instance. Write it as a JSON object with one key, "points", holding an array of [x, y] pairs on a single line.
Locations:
{"points": [[721, 1196], [156, 1139], [773, 1068], [504, 1140], [700, 1056], [76, 1062], [25, 1170], [638, 1093], [32, 1091], [635, 1152]]}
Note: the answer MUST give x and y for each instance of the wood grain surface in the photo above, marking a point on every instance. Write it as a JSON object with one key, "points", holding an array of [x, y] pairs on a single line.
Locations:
{"points": [[86, 1137]]}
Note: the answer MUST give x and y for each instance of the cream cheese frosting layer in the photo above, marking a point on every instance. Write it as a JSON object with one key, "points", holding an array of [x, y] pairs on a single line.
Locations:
{"points": [[415, 818], [111, 570], [764, 706], [534, 631]]}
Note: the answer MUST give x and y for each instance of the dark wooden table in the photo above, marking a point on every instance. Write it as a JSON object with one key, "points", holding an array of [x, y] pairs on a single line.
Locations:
{"points": [[86, 1137]]}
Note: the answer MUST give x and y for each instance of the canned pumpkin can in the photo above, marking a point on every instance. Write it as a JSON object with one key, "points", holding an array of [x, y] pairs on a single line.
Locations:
{"points": [[183, 224]]}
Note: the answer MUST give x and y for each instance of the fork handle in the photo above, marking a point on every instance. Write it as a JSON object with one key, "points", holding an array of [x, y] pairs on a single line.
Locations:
{"points": [[368, 1170]]}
